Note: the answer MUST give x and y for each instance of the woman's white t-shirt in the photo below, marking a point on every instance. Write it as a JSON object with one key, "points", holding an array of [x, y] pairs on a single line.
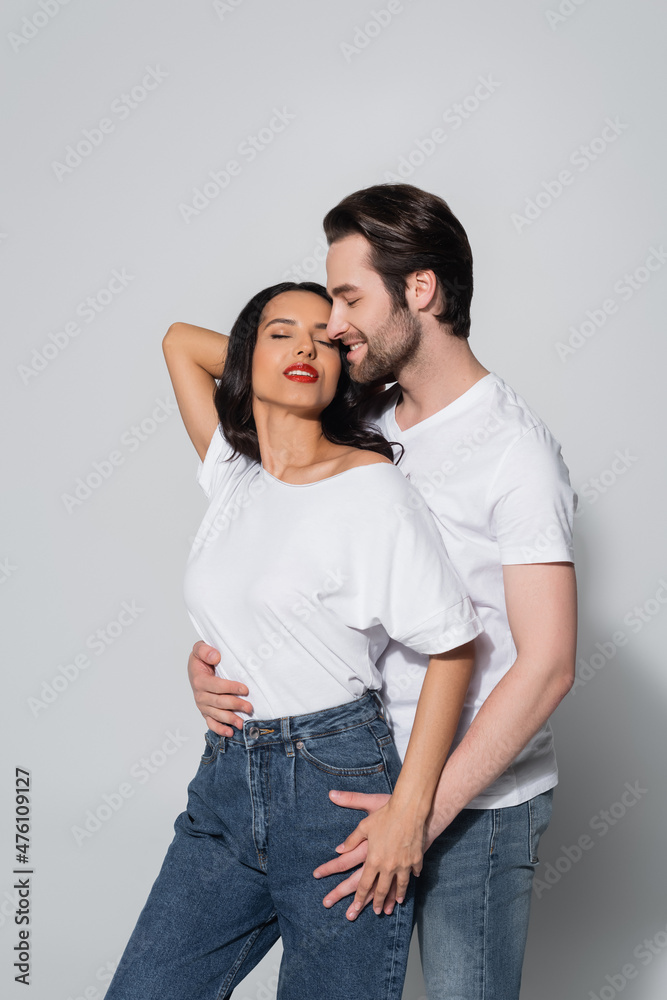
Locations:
{"points": [[301, 587]]}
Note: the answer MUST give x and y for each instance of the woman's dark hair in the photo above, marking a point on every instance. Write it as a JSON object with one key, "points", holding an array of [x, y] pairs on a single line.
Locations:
{"points": [[410, 230], [341, 419]]}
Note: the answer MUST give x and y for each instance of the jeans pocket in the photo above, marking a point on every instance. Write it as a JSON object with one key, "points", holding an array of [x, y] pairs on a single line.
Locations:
{"points": [[211, 746], [350, 753], [539, 816]]}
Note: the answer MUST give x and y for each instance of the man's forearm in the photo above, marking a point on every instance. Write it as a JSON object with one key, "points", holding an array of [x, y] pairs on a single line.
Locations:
{"points": [[515, 710]]}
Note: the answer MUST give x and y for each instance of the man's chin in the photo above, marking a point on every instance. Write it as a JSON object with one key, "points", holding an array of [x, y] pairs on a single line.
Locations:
{"points": [[363, 372], [363, 376]]}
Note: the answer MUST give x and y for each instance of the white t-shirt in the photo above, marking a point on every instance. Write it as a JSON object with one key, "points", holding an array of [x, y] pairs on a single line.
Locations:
{"points": [[495, 481], [300, 587]]}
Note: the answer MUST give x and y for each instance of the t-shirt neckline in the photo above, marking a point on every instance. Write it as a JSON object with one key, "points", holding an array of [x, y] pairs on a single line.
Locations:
{"points": [[460, 403], [299, 486]]}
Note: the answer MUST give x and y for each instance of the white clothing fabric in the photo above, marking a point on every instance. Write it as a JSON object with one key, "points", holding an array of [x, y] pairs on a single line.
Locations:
{"points": [[495, 481], [300, 587]]}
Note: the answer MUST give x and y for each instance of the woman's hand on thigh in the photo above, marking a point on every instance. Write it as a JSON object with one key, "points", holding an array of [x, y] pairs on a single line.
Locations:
{"points": [[395, 850]]}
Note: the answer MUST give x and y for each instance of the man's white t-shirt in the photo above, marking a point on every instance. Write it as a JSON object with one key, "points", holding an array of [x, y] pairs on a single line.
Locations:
{"points": [[301, 587], [495, 481]]}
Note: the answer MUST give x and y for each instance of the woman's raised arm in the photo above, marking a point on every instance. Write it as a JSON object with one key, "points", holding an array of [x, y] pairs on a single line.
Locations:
{"points": [[195, 358]]}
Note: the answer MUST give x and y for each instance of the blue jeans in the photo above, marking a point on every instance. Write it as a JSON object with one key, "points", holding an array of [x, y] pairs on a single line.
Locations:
{"points": [[239, 872], [473, 901]]}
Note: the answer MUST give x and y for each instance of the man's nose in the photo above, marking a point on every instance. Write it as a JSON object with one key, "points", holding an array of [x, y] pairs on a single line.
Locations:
{"points": [[336, 327]]}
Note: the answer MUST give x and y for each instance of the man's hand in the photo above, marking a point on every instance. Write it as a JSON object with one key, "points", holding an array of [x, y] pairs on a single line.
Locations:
{"points": [[216, 698]]}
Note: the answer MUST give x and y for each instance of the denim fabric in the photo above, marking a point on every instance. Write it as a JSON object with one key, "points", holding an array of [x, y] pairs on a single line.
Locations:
{"points": [[473, 901], [239, 871]]}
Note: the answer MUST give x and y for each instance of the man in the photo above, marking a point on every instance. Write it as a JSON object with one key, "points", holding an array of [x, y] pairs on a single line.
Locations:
{"points": [[399, 270]]}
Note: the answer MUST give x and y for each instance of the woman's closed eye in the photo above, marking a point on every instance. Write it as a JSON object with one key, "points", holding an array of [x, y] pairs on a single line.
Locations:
{"points": [[327, 343]]}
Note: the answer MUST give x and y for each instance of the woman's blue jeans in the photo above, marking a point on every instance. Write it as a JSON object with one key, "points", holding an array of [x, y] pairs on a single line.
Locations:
{"points": [[239, 872]]}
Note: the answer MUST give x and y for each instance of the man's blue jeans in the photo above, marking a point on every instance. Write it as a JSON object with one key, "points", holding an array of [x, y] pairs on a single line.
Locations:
{"points": [[239, 871], [473, 901]]}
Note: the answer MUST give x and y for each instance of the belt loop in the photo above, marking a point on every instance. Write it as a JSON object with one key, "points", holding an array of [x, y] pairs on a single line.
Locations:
{"points": [[378, 701], [222, 744], [286, 735]]}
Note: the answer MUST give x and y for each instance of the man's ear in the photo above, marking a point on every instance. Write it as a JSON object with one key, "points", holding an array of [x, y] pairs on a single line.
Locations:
{"points": [[421, 291]]}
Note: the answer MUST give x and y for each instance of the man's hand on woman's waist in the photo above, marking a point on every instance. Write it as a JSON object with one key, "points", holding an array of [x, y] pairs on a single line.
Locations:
{"points": [[216, 698]]}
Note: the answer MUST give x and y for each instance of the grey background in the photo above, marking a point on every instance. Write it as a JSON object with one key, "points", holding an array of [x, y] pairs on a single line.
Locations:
{"points": [[556, 78]]}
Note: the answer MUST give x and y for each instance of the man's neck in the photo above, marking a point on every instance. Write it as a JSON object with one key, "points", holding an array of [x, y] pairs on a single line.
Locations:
{"points": [[444, 369]]}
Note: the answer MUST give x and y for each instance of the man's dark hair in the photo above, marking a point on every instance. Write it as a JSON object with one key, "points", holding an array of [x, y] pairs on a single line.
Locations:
{"points": [[410, 230], [341, 420]]}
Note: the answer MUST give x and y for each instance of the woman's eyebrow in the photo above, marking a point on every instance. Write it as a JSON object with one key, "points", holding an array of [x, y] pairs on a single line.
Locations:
{"points": [[293, 322], [290, 322]]}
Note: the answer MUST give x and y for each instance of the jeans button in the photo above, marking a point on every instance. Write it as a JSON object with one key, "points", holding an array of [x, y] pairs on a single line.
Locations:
{"points": [[299, 745], [253, 732]]}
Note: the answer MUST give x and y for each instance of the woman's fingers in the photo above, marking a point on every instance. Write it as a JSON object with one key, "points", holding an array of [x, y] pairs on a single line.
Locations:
{"points": [[358, 836], [382, 887], [391, 900], [364, 889], [399, 887], [343, 863]]}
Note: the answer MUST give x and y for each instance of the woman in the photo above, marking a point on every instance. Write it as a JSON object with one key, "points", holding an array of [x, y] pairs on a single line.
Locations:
{"points": [[313, 552]]}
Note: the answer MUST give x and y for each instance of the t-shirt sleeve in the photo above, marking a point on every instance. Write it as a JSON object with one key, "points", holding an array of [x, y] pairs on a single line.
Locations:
{"points": [[216, 471], [420, 600], [532, 502]]}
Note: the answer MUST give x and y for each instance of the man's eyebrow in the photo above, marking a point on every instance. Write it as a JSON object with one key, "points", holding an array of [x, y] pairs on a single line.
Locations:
{"points": [[342, 289]]}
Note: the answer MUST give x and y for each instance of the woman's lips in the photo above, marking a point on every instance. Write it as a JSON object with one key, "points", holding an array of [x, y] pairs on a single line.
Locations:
{"points": [[301, 373]]}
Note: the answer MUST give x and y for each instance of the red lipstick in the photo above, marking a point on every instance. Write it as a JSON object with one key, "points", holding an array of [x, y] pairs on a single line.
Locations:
{"points": [[300, 372]]}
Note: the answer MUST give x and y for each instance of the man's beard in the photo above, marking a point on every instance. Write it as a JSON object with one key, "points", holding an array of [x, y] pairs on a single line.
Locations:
{"points": [[395, 343]]}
